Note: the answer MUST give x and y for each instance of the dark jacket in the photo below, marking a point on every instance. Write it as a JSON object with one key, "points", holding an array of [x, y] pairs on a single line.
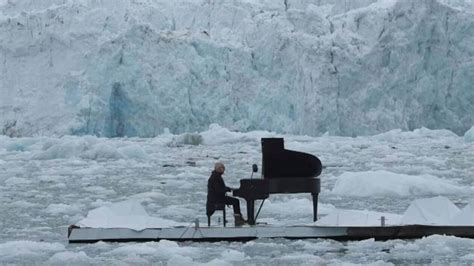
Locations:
{"points": [[216, 188]]}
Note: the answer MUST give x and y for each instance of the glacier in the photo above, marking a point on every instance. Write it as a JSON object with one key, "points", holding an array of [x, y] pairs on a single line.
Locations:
{"points": [[114, 68]]}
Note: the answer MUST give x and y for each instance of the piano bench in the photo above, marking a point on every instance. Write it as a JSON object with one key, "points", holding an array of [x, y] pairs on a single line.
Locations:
{"points": [[216, 207]]}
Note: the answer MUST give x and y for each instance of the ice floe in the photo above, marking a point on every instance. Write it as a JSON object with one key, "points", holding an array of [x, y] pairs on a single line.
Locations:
{"points": [[385, 183]]}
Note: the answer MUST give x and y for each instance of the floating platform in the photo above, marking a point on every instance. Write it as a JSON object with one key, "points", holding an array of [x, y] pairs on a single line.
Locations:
{"points": [[246, 233]]}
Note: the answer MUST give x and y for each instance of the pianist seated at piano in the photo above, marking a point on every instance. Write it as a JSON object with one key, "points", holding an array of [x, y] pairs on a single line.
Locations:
{"points": [[216, 190]]}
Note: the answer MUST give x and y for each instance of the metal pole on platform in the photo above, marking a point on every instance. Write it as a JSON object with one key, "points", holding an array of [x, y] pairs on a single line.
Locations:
{"points": [[315, 206], [382, 221], [250, 212]]}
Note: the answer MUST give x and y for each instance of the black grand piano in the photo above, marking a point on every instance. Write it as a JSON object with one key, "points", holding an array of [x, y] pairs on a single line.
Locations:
{"points": [[283, 171]]}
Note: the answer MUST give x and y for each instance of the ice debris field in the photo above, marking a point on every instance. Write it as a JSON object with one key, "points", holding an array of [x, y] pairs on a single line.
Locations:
{"points": [[46, 184]]}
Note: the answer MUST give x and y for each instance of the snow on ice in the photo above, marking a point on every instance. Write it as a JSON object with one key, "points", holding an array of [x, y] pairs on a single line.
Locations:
{"points": [[438, 210], [125, 214]]}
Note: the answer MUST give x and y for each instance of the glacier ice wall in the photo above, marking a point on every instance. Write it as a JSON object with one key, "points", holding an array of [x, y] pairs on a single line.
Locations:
{"points": [[134, 67]]}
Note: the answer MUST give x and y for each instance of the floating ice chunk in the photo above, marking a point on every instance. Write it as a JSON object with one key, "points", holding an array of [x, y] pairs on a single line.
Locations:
{"points": [[102, 151], [469, 135], [27, 248], [79, 147], [217, 135], [233, 255], [179, 260], [133, 151], [140, 249], [149, 196], [468, 257], [397, 134], [187, 139], [358, 218], [18, 144], [59, 208], [15, 181], [22, 204], [438, 210], [465, 216], [67, 147], [425, 132], [70, 258], [384, 183], [125, 214], [163, 249]]}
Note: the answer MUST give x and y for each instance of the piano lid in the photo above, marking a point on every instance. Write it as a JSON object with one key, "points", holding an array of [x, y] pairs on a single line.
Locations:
{"points": [[280, 163]]}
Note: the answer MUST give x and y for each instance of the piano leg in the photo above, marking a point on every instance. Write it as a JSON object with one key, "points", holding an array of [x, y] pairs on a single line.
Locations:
{"points": [[250, 212], [315, 206]]}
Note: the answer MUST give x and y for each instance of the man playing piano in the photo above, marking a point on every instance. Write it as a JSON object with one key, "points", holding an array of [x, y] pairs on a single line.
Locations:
{"points": [[216, 190]]}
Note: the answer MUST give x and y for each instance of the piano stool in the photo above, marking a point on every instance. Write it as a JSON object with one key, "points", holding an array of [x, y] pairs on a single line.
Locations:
{"points": [[216, 207]]}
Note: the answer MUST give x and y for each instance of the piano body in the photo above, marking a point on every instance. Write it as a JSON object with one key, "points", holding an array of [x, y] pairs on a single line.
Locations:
{"points": [[283, 171]]}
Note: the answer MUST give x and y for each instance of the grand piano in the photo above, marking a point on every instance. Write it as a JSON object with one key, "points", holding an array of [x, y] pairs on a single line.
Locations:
{"points": [[283, 171]]}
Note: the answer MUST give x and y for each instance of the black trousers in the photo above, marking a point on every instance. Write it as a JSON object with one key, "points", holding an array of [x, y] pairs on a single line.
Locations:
{"points": [[234, 202]]}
